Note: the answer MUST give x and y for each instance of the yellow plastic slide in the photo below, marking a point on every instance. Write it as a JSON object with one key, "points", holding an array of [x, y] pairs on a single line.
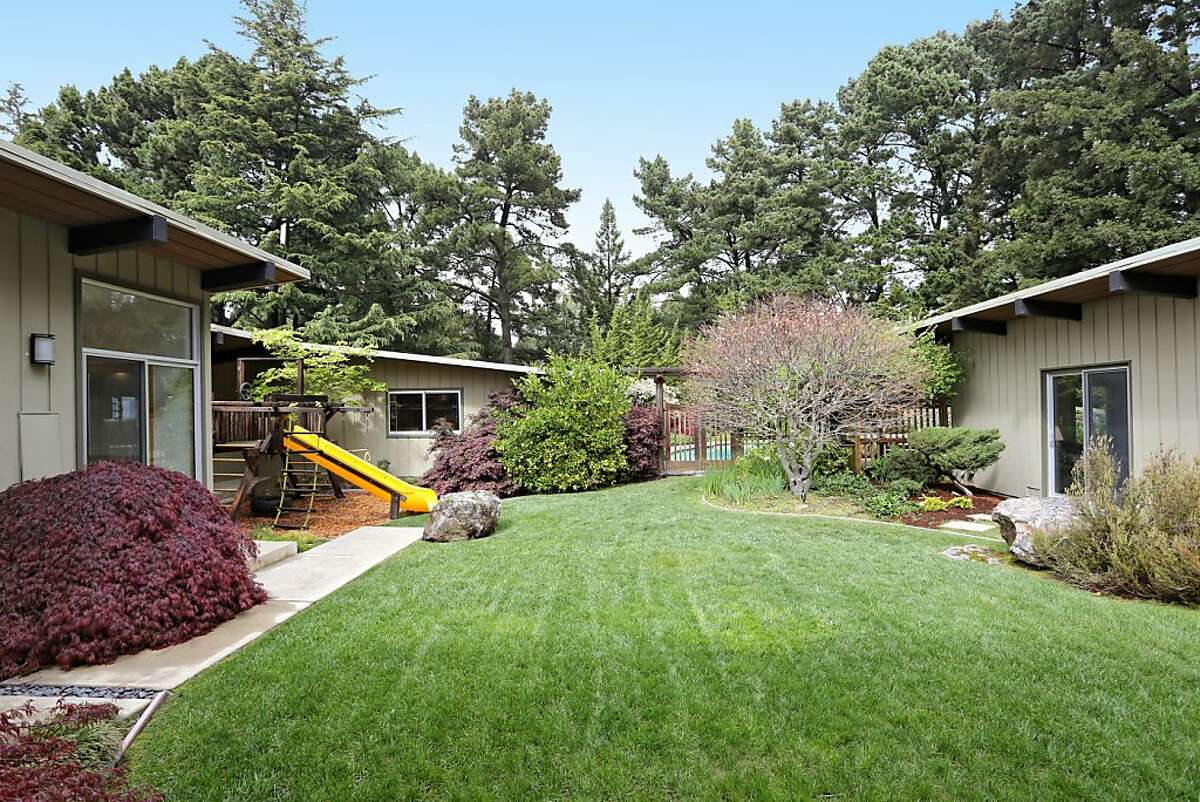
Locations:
{"points": [[358, 472]]}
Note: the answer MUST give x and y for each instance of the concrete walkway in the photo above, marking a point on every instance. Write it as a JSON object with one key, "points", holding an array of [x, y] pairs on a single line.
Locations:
{"points": [[291, 585]]}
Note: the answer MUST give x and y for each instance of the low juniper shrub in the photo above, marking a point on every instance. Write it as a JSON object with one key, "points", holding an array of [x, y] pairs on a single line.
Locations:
{"points": [[61, 757], [905, 487], [900, 463], [113, 559], [643, 442], [469, 461]]}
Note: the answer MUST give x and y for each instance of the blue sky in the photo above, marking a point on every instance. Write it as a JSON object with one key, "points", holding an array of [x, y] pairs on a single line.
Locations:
{"points": [[626, 79]]}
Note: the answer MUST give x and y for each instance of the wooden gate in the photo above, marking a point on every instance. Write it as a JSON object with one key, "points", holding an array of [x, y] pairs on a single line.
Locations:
{"points": [[689, 447]]}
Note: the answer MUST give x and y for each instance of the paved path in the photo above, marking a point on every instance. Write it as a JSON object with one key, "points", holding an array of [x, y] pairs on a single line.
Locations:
{"points": [[291, 586]]}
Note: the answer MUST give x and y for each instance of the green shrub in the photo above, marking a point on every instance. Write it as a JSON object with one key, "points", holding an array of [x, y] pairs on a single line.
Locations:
{"points": [[834, 458], [843, 483], [906, 487], [571, 435], [901, 463], [933, 504], [956, 452], [944, 368], [1142, 542], [887, 504], [755, 475], [939, 504]]}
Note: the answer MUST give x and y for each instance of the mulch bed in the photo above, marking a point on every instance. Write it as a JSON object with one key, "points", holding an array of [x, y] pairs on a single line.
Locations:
{"points": [[331, 517], [984, 503]]}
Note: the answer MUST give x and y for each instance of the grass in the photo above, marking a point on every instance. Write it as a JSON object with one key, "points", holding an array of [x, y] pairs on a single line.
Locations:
{"points": [[303, 539], [636, 644]]}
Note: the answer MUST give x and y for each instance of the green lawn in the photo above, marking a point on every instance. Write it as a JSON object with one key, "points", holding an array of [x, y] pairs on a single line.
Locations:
{"points": [[635, 644]]}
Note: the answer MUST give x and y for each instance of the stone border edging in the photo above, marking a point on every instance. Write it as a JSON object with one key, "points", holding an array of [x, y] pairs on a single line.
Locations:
{"points": [[704, 500]]}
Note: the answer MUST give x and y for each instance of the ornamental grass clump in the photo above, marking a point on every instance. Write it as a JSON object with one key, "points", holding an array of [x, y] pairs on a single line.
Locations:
{"points": [[1140, 540], [113, 559]]}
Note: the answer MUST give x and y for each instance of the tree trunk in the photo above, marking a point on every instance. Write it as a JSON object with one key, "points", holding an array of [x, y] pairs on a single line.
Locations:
{"points": [[966, 491], [506, 338]]}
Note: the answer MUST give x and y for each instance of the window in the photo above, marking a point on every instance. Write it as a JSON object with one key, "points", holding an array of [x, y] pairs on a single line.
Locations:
{"points": [[140, 390], [421, 411], [113, 319]]}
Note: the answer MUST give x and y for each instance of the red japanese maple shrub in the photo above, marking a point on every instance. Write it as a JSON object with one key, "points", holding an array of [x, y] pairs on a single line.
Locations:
{"points": [[111, 560], [39, 759], [469, 461], [643, 442]]}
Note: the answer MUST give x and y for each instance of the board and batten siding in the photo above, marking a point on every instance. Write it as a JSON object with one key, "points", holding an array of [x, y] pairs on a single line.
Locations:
{"points": [[408, 455], [37, 294], [1005, 386]]}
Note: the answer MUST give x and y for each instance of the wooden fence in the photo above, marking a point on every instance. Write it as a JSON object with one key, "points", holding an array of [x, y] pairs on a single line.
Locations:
{"points": [[868, 445], [689, 446]]}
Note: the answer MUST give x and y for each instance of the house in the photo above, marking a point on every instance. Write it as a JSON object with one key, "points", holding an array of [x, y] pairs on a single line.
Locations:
{"points": [[421, 390], [1111, 351], [104, 345]]}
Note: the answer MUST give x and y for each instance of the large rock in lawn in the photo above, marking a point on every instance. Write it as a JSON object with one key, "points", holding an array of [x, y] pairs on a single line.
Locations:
{"points": [[1019, 518], [463, 516]]}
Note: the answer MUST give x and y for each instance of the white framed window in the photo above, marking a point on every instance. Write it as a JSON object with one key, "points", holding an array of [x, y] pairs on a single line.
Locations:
{"points": [[140, 394], [419, 412]]}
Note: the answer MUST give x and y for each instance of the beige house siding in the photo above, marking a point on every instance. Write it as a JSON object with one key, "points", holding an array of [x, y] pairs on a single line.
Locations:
{"points": [[38, 279], [407, 454], [1155, 337]]}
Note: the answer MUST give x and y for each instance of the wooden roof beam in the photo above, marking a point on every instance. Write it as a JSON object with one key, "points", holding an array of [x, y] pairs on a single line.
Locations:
{"points": [[1032, 307], [978, 325], [113, 236], [254, 274], [1152, 284]]}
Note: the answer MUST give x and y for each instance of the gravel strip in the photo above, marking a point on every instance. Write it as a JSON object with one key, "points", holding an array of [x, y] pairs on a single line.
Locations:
{"points": [[86, 691]]}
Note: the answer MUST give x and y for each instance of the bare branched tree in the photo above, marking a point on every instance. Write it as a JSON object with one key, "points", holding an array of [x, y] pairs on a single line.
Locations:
{"points": [[801, 373]]}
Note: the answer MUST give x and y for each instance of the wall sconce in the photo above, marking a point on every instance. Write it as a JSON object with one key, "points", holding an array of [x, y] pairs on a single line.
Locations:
{"points": [[41, 349]]}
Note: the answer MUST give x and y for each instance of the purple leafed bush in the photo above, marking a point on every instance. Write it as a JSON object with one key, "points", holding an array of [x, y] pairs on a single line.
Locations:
{"points": [[111, 560], [643, 442], [42, 759], [469, 461]]}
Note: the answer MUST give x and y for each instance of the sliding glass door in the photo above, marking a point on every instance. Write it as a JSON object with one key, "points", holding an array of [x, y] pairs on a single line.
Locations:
{"points": [[1080, 405], [141, 368], [115, 400]]}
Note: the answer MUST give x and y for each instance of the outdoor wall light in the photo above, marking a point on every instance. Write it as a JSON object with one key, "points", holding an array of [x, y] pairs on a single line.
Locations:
{"points": [[41, 349]]}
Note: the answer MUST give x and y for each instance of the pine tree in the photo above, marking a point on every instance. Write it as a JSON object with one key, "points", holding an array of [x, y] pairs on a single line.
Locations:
{"points": [[634, 337], [495, 225]]}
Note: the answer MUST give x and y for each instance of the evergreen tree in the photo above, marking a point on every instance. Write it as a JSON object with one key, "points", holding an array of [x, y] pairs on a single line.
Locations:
{"points": [[634, 338], [599, 281], [272, 148], [494, 223], [13, 109]]}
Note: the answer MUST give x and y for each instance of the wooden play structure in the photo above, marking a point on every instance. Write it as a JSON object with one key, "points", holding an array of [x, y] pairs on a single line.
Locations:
{"points": [[293, 429]]}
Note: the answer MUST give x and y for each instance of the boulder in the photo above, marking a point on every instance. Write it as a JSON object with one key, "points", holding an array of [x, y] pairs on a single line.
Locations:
{"points": [[463, 516], [1019, 518]]}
